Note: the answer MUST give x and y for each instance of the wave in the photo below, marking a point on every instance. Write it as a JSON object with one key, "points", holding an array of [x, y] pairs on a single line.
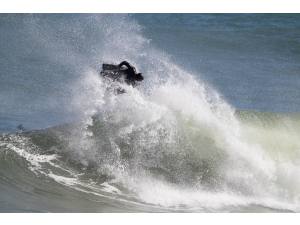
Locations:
{"points": [[172, 144]]}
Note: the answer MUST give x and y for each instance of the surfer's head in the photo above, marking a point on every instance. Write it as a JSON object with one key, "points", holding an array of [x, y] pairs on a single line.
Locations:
{"points": [[139, 77]]}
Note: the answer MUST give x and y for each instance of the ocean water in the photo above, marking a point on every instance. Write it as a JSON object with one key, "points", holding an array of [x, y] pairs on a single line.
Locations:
{"points": [[214, 127]]}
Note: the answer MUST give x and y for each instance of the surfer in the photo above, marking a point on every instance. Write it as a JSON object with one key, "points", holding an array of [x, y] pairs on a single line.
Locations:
{"points": [[122, 72]]}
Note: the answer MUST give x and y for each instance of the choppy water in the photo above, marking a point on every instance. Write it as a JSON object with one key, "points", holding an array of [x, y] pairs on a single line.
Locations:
{"points": [[189, 139]]}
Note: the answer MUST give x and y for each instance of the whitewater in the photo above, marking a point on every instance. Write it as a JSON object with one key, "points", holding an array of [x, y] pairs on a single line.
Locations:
{"points": [[173, 144]]}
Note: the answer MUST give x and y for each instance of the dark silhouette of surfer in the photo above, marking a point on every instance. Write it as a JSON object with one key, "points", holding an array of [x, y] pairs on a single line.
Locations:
{"points": [[122, 72]]}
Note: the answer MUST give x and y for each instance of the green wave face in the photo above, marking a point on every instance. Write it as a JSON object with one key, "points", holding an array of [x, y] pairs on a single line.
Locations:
{"points": [[278, 134]]}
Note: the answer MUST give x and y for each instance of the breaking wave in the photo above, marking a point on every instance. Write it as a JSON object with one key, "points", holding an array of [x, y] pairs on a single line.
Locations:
{"points": [[172, 144]]}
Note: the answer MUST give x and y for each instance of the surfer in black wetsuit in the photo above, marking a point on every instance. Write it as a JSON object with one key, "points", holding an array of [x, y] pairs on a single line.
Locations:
{"points": [[121, 72], [131, 75]]}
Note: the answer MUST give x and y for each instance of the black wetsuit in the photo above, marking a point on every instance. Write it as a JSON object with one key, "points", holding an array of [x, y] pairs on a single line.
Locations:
{"points": [[119, 73], [130, 73]]}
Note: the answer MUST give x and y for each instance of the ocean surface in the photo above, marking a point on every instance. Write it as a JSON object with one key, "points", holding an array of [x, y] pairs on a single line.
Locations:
{"points": [[214, 126]]}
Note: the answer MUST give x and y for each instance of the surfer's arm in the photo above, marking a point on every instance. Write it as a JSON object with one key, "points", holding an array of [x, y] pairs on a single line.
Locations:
{"points": [[125, 63]]}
